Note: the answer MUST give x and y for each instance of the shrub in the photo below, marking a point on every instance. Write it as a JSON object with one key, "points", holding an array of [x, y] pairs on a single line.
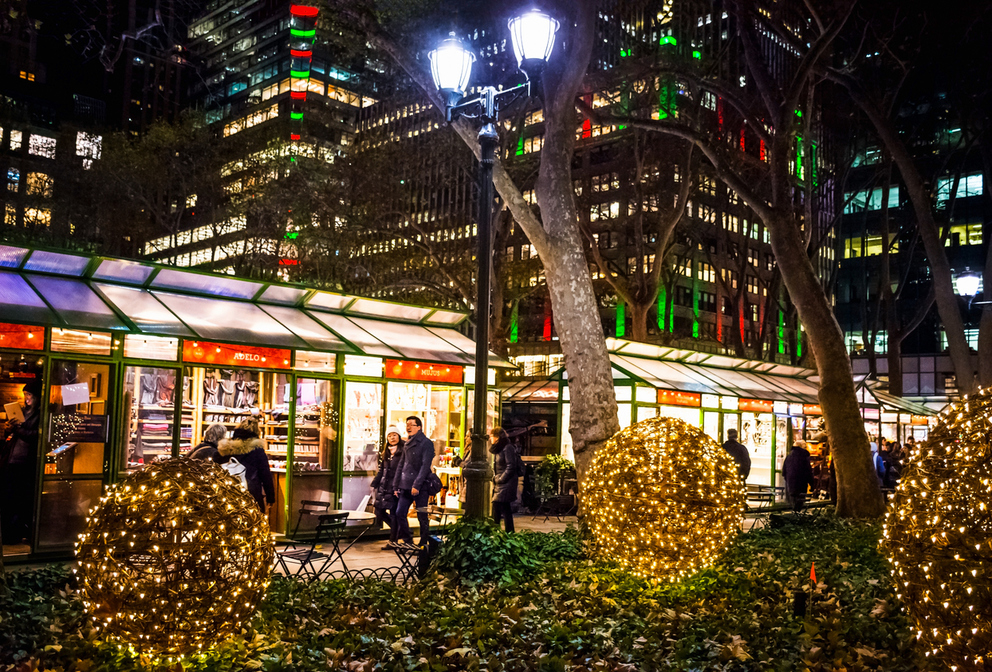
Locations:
{"points": [[478, 551], [548, 474]]}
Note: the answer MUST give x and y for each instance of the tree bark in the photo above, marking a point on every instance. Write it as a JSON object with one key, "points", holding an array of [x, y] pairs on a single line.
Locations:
{"points": [[639, 318], [858, 494], [940, 268]]}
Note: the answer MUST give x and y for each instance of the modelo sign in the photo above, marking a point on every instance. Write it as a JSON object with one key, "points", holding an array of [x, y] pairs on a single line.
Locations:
{"points": [[222, 354], [425, 371]]}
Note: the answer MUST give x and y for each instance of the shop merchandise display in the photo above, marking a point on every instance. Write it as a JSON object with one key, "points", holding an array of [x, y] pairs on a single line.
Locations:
{"points": [[174, 558], [936, 536], [151, 394], [663, 499], [363, 426]]}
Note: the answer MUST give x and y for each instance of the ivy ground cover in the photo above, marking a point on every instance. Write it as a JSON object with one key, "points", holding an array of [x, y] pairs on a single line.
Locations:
{"points": [[537, 603]]}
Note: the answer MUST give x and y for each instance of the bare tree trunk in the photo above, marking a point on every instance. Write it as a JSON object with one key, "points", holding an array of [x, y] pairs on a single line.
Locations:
{"points": [[858, 495], [940, 268], [639, 319]]}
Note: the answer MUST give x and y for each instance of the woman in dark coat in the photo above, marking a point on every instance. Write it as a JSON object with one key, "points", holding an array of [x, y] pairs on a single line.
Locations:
{"points": [[245, 446], [207, 448], [385, 500], [798, 475], [506, 468]]}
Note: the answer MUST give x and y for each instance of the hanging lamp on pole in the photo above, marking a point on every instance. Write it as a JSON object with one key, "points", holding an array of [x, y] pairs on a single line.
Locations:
{"points": [[533, 36]]}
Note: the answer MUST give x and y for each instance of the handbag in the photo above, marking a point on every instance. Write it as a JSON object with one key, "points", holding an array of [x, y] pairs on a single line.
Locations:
{"points": [[432, 484], [237, 470]]}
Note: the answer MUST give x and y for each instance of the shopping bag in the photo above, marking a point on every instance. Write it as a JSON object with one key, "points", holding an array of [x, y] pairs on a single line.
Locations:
{"points": [[237, 470]]}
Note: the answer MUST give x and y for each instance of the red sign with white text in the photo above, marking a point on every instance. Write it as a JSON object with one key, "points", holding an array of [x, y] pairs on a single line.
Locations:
{"points": [[675, 398], [425, 371], [222, 354], [755, 405], [812, 409]]}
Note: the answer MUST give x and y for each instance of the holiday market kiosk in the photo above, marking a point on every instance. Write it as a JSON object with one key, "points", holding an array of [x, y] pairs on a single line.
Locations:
{"points": [[771, 405], [134, 361]]}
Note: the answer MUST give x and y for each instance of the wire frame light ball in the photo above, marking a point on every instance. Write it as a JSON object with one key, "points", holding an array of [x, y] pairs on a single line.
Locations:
{"points": [[937, 536], [174, 558], [663, 499]]}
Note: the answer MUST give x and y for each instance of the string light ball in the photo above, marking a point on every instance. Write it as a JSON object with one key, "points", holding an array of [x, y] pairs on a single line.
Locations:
{"points": [[938, 536], [174, 558], [663, 499]]}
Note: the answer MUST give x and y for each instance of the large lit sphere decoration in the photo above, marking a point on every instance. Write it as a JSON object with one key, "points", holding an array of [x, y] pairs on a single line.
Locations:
{"points": [[663, 499], [174, 558], [938, 536]]}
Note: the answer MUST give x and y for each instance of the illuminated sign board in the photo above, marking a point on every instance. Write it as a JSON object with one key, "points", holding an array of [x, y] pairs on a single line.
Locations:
{"points": [[425, 371], [756, 405], [812, 409], [222, 354], [674, 398], [22, 336]]}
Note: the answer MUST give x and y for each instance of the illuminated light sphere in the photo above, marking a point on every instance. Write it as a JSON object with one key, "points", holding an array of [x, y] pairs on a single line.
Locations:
{"points": [[174, 558], [663, 499], [938, 536]]}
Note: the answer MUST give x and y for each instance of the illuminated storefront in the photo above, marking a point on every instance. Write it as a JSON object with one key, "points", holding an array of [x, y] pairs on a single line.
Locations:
{"points": [[136, 361], [770, 405]]}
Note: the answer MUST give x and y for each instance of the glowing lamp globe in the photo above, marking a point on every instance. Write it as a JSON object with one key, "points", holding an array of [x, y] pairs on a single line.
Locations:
{"points": [[451, 67], [663, 499], [174, 558], [533, 37], [968, 284], [938, 536]]}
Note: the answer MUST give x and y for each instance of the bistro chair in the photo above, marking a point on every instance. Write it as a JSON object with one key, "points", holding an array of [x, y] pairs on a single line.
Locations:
{"points": [[310, 507], [312, 562]]}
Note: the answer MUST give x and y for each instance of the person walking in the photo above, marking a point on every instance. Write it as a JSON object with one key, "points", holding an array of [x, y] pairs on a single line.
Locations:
{"points": [[739, 452], [409, 484], [798, 474], [506, 468], [382, 484], [247, 448], [17, 465], [206, 449]]}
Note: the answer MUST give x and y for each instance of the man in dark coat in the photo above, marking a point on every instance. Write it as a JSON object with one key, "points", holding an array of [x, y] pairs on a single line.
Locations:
{"points": [[207, 449], [798, 474], [409, 484], [739, 452], [247, 448], [506, 468]]}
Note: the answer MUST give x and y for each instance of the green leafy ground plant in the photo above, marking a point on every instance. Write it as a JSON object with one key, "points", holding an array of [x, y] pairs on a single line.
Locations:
{"points": [[537, 609]]}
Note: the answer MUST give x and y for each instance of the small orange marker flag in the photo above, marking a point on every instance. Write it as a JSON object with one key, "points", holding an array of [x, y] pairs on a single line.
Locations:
{"points": [[812, 573]]}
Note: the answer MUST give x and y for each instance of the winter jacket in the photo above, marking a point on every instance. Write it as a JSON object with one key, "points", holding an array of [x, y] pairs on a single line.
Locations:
{"points": [[250, 453], [506, 468], [739, 452], [415, 463], [383, 481], [798, 473], [206, 450]]}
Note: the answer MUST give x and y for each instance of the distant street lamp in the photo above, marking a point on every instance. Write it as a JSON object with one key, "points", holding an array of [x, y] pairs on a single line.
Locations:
{"points": [[533, 37], [967, 284]]}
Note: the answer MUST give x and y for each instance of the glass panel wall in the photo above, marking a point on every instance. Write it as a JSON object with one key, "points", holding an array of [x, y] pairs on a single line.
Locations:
{"points": [[314, 474], [149, 396], [75, 448], [362, 438]]}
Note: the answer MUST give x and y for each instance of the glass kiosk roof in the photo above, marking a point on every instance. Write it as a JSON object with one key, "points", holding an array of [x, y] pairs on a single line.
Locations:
{"points": [[69, 290]]}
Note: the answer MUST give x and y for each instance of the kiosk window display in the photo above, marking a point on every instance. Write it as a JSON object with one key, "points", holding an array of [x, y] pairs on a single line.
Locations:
{"points": [[150, 394]]}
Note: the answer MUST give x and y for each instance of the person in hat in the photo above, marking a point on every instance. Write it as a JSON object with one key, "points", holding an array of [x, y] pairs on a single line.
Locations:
{"points": [[247, 448], [382, 484], [739, 452], [20, 456]]}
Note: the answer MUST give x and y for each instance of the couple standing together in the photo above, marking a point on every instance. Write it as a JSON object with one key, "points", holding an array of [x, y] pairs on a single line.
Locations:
{"points": [[402, 481]]}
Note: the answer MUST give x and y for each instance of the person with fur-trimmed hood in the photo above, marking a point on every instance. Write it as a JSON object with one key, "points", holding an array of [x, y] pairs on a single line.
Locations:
{"points": [[247, 448]]}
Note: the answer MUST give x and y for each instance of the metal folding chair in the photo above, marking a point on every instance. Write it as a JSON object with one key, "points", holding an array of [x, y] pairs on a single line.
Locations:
{"points": [[308, 557], [310, 507]]}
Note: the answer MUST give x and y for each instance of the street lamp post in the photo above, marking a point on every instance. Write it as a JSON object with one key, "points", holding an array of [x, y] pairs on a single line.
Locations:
{"points": [[533, 35]]}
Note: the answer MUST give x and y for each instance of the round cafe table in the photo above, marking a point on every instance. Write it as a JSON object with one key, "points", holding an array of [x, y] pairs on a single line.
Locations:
{"points": [[363, 517]]}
